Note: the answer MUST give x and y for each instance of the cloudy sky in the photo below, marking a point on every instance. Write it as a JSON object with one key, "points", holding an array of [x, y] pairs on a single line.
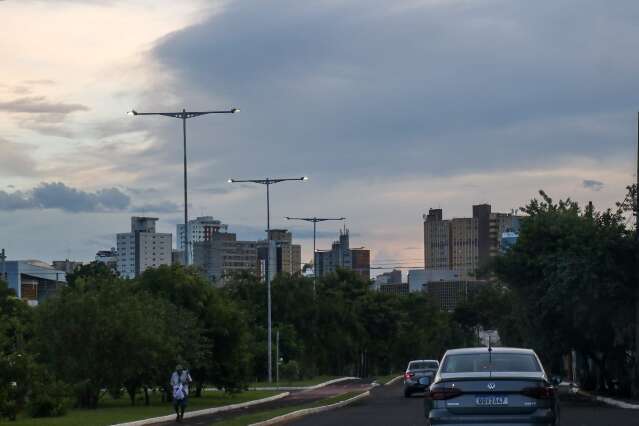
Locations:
{"points": [[391, 108]]}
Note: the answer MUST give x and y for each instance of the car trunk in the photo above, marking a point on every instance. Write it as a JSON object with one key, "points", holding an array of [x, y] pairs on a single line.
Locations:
{"points": [[495, 395]]}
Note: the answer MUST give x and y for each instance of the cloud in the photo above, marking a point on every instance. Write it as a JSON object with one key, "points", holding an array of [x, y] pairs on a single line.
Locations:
{"points": [[16, 159], [594, 185], [40, 105], [367, 86], [162, 207]]}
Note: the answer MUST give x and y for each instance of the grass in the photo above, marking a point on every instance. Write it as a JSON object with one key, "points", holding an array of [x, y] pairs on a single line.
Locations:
{"points": [[112, 411], [306, 382], [248, 419], [382, 380]]}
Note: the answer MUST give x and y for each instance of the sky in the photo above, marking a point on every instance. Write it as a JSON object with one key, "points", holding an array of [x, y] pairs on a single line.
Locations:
{"points": [[390, 108]]}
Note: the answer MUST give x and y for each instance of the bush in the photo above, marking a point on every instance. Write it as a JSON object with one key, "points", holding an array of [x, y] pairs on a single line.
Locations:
{"points": [[48, 399], [290, 371]]}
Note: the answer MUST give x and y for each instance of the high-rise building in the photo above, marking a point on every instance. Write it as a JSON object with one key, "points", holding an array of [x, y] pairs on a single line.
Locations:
{"points": [[463, 245], [284, 256], [447, 294], [142, 248], [199, 229], [221, 255], [108, 257], [342, 256]]}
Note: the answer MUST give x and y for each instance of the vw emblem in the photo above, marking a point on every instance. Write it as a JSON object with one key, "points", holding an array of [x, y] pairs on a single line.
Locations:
{"points": [[491, 386]]}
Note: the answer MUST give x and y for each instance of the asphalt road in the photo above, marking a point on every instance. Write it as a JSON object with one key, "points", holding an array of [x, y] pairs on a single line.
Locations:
{"points": [[387, 406]]}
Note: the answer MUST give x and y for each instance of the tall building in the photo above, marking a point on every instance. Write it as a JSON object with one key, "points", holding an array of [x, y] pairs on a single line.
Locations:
{"points": [[33, 280], [463, 245], [108, 257], [142, 248], [284, 256], [447, 294], [199, 229], [342, 256], [221, 254]]}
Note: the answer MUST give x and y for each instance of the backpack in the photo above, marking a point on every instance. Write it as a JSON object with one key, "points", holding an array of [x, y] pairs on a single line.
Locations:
{"points": [[178, 392]]}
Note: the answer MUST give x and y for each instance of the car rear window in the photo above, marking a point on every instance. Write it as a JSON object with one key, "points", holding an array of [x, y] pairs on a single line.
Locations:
{"points": [[422, 365], [498, 362]]}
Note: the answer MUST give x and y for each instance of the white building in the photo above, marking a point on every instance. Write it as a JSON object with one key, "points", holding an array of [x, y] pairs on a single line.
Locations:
{"points": [[142, 248], [416, 280], [200, 229]]}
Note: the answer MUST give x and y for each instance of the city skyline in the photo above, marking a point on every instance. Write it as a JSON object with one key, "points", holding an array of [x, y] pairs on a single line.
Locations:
{"points": [[72, 158]]}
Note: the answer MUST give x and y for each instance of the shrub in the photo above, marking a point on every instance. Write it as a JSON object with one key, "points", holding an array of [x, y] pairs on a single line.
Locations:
{"points": [[290, 371], [48, 399]]}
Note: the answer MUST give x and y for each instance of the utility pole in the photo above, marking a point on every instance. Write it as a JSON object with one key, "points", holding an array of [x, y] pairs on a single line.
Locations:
{"points": [[277, 358], [635, 205], [3, 270], [184, 115], [268, 182]]}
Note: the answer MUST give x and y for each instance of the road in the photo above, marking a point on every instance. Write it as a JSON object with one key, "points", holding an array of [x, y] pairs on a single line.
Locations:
{"points": [[387, 406]]}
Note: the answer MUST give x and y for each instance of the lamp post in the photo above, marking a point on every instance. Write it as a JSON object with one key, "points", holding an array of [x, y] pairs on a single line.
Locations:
{"points": [[184, 115], [268, 182], [315, 220]]}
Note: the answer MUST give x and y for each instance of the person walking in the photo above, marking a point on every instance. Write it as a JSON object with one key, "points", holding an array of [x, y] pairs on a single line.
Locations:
{"points": [[180, 380]]}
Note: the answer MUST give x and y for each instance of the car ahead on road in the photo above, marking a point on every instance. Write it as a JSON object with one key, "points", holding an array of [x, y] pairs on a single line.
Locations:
{"points": [[419, 374], [496, 386]]}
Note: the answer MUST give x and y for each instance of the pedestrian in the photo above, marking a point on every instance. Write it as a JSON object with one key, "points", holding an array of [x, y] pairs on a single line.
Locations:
{"points": [[180, 380]]}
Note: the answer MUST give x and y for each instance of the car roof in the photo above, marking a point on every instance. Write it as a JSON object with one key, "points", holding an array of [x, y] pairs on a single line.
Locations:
{"points": [[423, 360], [498, 350]]}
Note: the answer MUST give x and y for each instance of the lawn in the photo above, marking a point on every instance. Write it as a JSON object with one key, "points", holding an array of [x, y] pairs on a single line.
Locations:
{"points": [[307, 382], [265, 415], [112, 411]]}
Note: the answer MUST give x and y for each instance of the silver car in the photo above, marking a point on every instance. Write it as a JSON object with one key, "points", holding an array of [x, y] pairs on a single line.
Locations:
{"points": [[497, 386], [419, 374]]}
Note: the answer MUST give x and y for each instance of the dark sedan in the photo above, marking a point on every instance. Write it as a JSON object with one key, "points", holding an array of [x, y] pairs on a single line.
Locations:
{"points": [[496, 386]]}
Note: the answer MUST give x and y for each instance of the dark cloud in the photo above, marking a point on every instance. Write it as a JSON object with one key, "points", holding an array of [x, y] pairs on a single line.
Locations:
{"points": [[387, 88], [594, 185], [57, 195], [40, 105], [161, 207]]}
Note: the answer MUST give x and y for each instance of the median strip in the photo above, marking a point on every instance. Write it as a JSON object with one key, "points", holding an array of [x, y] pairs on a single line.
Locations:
{"points": [[206, 411], [312, 410]]}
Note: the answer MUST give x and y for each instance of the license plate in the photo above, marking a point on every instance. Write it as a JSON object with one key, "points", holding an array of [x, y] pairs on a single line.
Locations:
{"points": [[493, 400]]}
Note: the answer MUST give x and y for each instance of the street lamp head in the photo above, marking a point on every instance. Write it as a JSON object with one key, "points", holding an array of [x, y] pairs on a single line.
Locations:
{"points": [[234, 110], [132, 112], [230, 181], [305, 178]]}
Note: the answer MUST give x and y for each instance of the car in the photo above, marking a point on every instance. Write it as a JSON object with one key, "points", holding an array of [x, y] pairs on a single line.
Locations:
{"points": [[497, 386], [419, 374]]}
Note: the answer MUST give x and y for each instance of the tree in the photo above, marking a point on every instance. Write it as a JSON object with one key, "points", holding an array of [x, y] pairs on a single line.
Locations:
{"points": [[574, 270]]}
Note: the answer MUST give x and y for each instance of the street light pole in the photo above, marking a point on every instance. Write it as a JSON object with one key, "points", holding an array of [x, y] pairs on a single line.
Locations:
{"points": [[184, 115], [315, 220], [268, 182]]}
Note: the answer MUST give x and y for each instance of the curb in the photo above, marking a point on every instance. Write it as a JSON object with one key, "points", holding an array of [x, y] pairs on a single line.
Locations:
{"points": [[305, 388], [391, 381], [188, 415], [611, 401], [308, 411]]}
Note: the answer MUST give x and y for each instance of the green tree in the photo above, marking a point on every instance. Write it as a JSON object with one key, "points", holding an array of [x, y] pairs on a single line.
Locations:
{"points": [[574, 270]]}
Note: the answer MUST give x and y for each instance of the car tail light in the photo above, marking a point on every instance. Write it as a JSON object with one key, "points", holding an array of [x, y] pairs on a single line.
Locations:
{"points": [[539, 392], [408, 375], [439, 394]]}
